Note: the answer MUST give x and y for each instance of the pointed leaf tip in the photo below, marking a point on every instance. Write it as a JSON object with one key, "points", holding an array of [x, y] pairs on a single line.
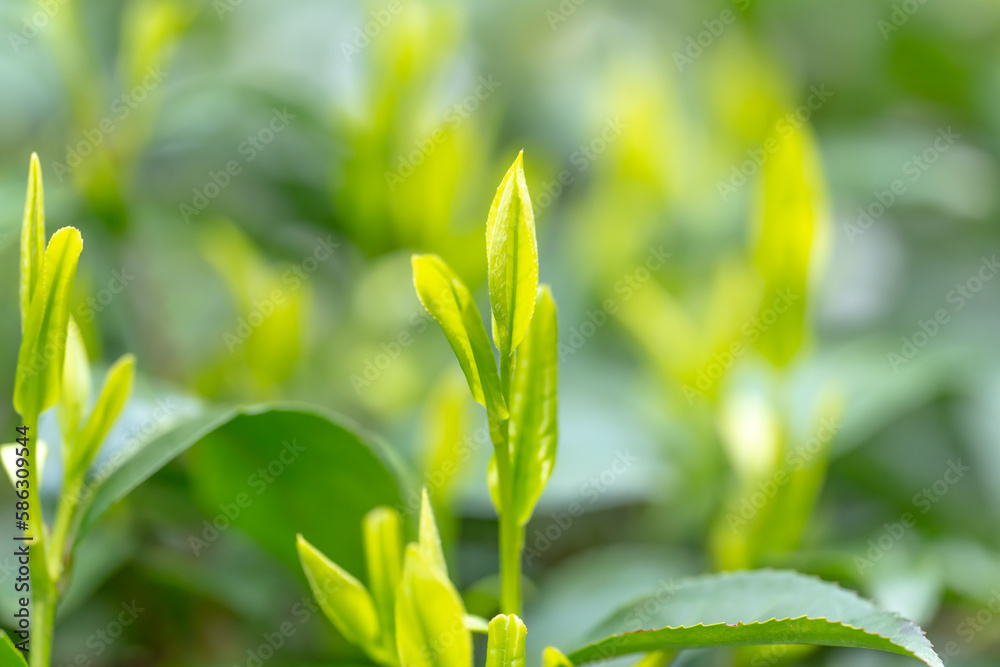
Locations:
{"points": [[43, 341], [343, 599], [512, 256], [450, 302]]}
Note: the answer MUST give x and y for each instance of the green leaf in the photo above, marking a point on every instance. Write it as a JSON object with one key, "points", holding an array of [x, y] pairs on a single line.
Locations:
{"points": [[553, 657], [277, 463], [148, 459], [116, 390], [76, 385], [43, 343], [754, 608], [791, 213], [9, 457], [477, 624], [430, 617], [512, 255], [10, 656], [384, 554], [449, 301], [344, 599], [505, 642], [430, 539], [32, 238], [533, 411]]}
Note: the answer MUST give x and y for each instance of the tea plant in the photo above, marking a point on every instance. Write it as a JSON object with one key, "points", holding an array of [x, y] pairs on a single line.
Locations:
{"points": [[52, 371], [411, 614]]}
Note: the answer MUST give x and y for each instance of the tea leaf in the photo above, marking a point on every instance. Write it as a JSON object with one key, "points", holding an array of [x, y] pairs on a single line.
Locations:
{"points": [[505, 643], [43, 343], [76, 385], [384, 554], [791, 213], [9, 456], [553, 657], [430, 617], [32, 237], [449, 301], [754, 608], [512, 255], [10, 656], [278, 463], [533, 411], [116, 390], [344, 599], [430, 540], [477, 624]]}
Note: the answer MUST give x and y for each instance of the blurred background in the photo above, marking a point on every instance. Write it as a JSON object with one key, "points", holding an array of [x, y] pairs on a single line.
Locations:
{"points": [[771, 229]]}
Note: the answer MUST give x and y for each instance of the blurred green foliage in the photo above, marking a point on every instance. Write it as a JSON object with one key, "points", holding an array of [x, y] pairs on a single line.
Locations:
{"points": [[770, 227]]}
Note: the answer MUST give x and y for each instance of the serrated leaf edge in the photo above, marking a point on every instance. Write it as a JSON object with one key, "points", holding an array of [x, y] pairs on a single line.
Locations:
{"points": [[728, 575]]}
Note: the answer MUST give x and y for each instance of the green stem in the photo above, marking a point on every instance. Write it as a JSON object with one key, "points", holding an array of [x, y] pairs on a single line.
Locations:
{"points": [[43, 590], [65, 516], [511, 545]]}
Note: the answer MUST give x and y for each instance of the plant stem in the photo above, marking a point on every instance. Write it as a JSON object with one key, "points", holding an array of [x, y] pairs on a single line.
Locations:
{"points": [[511, 545], [65, 515], [43, 590]]}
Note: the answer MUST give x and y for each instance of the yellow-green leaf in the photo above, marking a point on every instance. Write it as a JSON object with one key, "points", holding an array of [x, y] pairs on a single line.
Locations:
{"points": [[512, 255], [449, 301], [430, 617], [116, 390], [430, 539], [477, 624], [344, 599], [32, 237], [384, 556], [76, 385], [791, 212], [9, 457], [533, 411], [505, 642], [43, 342], [553, 657]]}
